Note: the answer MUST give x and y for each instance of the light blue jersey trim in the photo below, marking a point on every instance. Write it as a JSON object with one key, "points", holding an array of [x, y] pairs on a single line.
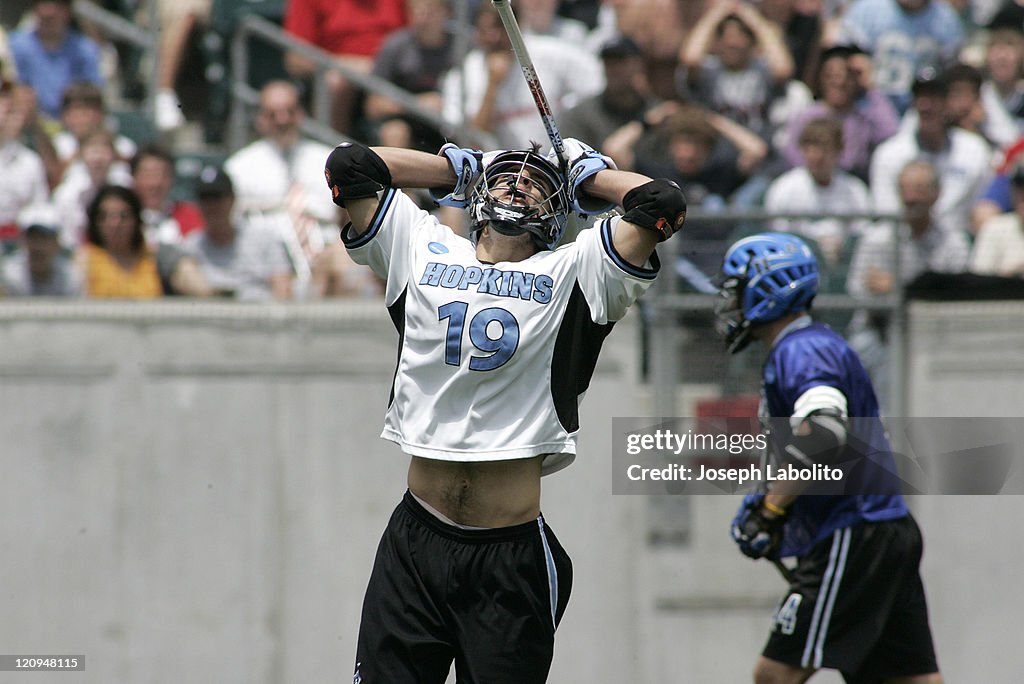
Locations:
{"points": [[637, 272], [552, 572], [375, 223]]}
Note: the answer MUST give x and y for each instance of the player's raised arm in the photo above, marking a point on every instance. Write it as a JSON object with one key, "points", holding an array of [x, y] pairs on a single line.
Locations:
{"points": [[357, 173], [654, 209]]}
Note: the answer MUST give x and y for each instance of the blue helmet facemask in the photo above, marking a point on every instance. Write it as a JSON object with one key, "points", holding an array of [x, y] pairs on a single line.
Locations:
{"points": [[764, 277]]}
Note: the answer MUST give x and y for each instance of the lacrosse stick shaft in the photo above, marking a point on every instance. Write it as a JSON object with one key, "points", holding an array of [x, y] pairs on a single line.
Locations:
{"points": [[515, 35], [783, 570]]}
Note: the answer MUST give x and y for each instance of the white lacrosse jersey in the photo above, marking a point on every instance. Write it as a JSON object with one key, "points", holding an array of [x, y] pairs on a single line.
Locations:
{"points": [[493, 358]]}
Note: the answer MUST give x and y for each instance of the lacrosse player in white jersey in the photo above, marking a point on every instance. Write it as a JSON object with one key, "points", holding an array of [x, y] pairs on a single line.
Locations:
{"points": [[499, 335]]}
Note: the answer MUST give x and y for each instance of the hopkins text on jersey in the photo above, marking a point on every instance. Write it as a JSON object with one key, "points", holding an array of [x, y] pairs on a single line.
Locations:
{"points": [[489, 280]]}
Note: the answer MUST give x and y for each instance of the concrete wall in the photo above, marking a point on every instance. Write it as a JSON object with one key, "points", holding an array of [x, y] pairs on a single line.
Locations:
{"points": [[968, 360], [965, 360], [194, 492]]}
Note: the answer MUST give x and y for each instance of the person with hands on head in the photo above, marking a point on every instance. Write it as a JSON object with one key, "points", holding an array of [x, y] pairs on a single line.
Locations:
{"points": [[499, 335], [736, 62], [855, 602]]}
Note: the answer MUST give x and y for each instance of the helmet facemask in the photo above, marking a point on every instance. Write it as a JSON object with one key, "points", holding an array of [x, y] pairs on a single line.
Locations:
{"points": [[730, 323], [520, 192], [764, 277]]}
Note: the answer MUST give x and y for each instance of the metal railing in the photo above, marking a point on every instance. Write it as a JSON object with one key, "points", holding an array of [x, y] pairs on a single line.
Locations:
{"points": [[668, 302], [243, 95], [117, 28]]}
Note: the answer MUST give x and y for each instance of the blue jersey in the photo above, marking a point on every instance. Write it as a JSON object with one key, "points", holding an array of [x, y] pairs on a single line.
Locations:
{"points": [[902, 43], [49, 72], [998, 191], [816, 356]]}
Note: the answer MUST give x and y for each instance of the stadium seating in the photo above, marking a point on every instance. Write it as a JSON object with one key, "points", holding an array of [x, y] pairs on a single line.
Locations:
{"points": [[265, 61], [134, 124]]}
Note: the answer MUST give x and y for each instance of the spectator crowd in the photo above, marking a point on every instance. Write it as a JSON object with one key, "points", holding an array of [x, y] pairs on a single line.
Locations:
{"points": [[820, 112]]}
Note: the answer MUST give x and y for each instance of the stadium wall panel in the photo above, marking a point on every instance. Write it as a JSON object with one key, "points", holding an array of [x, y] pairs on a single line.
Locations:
{"points": [[194, 492]]}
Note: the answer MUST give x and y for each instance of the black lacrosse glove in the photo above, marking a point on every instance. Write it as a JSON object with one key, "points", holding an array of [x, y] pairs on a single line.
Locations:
{"points": [[757, 535]]}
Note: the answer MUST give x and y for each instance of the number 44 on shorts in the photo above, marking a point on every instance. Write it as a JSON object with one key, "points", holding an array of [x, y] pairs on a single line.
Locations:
{"points": [[785, 615]]}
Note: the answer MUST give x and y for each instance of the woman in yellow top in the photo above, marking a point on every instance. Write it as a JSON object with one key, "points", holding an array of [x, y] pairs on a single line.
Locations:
{"points": [[115, 259]]}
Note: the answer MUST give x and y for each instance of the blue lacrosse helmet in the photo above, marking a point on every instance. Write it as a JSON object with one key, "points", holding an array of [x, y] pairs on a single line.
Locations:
{"points": [[764, 277]]}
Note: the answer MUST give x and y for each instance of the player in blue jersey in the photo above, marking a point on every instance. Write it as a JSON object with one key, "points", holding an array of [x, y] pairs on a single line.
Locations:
{"points": [[856, 602], [498, 338]]}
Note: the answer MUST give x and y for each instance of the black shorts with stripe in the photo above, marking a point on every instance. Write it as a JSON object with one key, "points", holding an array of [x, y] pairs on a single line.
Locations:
{"points": [[857, 605], [487, 600]]}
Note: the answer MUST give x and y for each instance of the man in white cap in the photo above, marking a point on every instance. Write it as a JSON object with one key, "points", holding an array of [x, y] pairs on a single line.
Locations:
{"points": [[39, 268]]}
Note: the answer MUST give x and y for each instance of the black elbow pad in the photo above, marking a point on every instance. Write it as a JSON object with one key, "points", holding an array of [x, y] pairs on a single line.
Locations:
{"points": [[823, 444], [658, 205], [354, 171]]}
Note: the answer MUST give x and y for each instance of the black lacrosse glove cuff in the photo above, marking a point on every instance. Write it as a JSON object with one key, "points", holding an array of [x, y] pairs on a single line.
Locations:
{"points": [[354, 171], [658, 205]]}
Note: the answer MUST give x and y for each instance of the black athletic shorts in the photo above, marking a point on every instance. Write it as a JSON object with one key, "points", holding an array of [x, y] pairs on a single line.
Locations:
{"points": [[857, 605], [489, 600]]}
